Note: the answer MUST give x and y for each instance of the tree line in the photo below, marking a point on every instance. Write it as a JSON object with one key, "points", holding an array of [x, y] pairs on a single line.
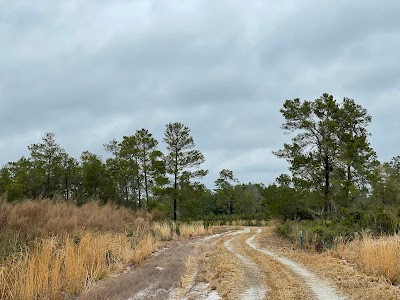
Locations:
{"points": [[137, 175], [334, 172]]}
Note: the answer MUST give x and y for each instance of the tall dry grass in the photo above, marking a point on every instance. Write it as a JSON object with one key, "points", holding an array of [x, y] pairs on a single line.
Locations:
{"points": [[58, 249], [57, 268], [375, 256], [193, 229], [163, 231], [43, 218]]}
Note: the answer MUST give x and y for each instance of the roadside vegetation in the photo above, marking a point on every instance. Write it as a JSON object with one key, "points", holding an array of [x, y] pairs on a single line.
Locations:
{"points": [[377, 256], [53, 250]]}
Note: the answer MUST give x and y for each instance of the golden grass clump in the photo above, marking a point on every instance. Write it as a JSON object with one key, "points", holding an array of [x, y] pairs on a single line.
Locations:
{"points": [[193, 229], [381, 257], [163, 231], [375, 256], [60, 267]]}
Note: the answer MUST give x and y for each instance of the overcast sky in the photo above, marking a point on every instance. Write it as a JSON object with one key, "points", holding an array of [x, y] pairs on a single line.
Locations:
{"points": [[95, 70]]}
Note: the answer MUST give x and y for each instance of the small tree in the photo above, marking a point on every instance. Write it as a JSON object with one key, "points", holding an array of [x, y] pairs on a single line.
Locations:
{"points": [[93, 171], [47, 156], [225, 189], [149, 161]]}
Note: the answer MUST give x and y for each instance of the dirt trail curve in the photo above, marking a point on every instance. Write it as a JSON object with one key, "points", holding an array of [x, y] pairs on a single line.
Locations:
{"points": [[269, 276], [229, 266]]}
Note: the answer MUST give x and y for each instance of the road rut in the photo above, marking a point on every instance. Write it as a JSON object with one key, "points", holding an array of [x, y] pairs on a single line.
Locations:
{"points": [[254, 286], [320, 289]]}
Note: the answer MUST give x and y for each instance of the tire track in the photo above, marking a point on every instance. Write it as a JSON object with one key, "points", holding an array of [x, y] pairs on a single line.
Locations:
{"points": [[254, 289], [320, 289]]}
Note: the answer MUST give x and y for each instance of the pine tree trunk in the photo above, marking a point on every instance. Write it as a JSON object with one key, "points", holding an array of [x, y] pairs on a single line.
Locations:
{"points": [[139, 196], [175, 191], [66, 187], [327, 178], [146, 187], [175, 185]]}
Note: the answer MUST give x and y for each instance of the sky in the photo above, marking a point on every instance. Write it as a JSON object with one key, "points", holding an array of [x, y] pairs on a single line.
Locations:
{"points": [[94, 70]]}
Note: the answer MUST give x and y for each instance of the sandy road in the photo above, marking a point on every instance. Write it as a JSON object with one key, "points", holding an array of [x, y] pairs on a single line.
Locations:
{"points": [[264, 274], [230, 266]]}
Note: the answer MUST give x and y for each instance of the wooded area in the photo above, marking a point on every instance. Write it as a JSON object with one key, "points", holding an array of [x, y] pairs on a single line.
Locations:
{"points": [[335, 176]]}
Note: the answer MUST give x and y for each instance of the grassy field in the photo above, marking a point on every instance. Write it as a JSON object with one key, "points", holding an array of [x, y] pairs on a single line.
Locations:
{"points": [[53, 250], [377, 256]]}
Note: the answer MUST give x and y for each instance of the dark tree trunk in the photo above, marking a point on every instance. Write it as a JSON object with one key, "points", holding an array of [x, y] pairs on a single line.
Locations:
{"points": [[348, 183], [175, 191], [47, 192], [66, 187], [327, 179], [139, 193], [175, 185], [146, 188]]}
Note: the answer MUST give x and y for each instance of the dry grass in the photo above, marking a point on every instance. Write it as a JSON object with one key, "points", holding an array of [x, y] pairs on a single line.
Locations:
{"points": [[240, 222], [282, 282], [57, 268], [163, 231], [59, 248], [222, 271], [43, 218], [375, 256], [211, 267], [193, 229]]}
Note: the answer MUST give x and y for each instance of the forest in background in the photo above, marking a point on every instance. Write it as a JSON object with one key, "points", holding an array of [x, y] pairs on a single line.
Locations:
{"points": [[336, 181]]}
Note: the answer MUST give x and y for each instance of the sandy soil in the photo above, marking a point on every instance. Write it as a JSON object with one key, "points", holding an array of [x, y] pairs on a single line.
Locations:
{"points": [[238, 268], [248, 264], [156, 278], [162, 275]]}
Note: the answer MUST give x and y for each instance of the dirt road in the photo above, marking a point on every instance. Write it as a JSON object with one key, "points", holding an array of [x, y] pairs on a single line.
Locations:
{"points": [[269, 276], [244, 264]]}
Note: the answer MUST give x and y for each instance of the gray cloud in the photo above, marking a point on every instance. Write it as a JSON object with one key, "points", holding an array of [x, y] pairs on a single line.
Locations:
{"points": [[96, 70]]}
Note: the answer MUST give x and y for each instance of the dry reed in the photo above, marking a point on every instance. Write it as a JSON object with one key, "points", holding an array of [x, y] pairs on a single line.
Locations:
{"points": [[57, 268], [375, 256], [44, 218], [163, 231], [193, 229]]}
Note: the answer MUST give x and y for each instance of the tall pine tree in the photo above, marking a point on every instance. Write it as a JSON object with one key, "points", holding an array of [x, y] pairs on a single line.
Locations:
{"points": [[182, 158]]}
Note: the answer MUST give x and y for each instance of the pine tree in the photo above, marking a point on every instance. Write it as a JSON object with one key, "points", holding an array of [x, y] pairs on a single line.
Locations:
{"points": [[182, 158]]}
